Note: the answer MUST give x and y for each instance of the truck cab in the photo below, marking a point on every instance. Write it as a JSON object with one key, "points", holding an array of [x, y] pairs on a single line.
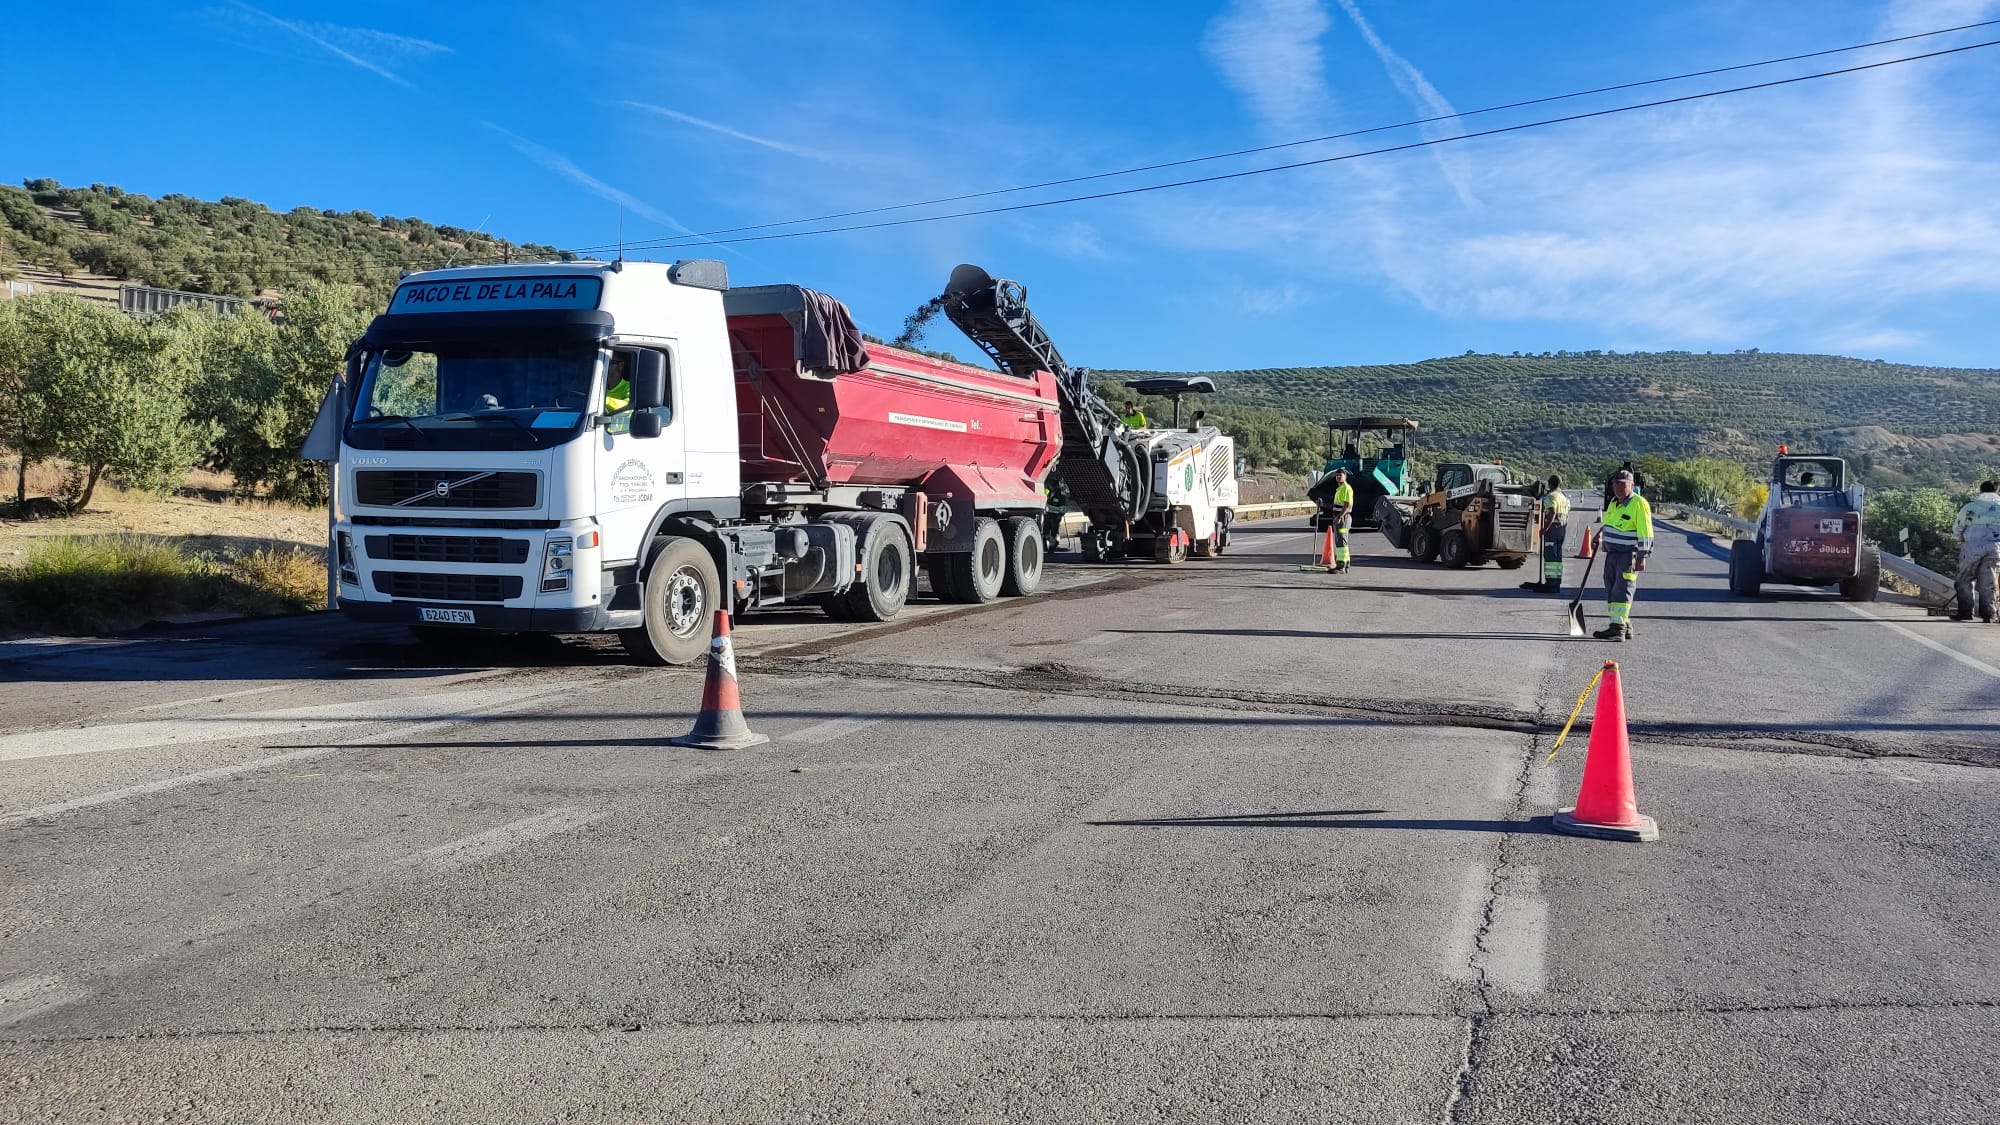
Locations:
{"points": [[513, 437]]}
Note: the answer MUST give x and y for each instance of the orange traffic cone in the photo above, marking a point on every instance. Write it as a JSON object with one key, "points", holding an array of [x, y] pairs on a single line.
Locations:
{"points": [[1605, 804], [1583, 549], [1324, 561], [720, 725]]}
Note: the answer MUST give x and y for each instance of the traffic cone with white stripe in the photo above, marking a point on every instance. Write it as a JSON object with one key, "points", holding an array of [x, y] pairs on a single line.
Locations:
{"points": [[720, 725], [1323, 561], [1606, 806]]}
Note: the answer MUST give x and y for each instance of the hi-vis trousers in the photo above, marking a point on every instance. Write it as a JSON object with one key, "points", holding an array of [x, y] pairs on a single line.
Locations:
{"points": [[1342, 531], [1621, 581], [1552, 554]]}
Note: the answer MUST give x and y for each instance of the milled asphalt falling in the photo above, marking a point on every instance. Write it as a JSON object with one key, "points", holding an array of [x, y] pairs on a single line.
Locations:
{"points": [[1226, 842]]}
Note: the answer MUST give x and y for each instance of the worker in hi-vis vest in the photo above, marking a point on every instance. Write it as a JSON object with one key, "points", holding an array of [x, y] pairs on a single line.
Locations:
{"points": [[1555, 529], [1626, 540], [1134, 417], [1336, 497]]}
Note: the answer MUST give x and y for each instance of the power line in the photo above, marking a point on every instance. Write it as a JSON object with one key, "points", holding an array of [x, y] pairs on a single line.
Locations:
{"points": [[1315, 140], [1226, 176]]}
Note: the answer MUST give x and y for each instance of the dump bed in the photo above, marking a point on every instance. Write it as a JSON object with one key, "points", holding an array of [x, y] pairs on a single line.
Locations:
{"points": [[900, 421]]}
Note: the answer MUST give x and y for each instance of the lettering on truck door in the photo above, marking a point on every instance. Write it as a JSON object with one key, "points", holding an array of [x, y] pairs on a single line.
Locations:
{"points": [[636, 477]]}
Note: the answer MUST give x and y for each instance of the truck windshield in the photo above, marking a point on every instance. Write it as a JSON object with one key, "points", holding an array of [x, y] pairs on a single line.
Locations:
{"points": [[487, 395]]}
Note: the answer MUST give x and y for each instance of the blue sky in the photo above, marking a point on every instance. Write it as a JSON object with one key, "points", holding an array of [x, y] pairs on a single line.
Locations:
{"points": [[1858, 215]]}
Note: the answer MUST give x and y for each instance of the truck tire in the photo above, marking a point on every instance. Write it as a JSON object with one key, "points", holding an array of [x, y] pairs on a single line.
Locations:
{"points": [[1454, 550], [882, 588], [1024, 557], [978, 574], [1171, 548], [680, 597], [1093, 547], [1424, 543], [1225, 517], [1511, 562], [1746, 568], [1867, 581]]}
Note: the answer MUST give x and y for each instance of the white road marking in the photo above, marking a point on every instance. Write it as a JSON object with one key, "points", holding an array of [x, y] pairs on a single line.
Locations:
{"points": [[1462, 937], [251, 725], [1517, 941], [828, 730], [300, 755], [27, 997], [486, 845], [1969, 661]]}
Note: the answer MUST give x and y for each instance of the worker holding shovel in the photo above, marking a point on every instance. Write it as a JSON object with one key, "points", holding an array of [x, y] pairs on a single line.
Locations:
{"points": [[1625, 542]]}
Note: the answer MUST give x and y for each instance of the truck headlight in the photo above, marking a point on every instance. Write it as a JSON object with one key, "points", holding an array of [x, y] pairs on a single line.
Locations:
{"points": [[348, 572], [556, 565]]}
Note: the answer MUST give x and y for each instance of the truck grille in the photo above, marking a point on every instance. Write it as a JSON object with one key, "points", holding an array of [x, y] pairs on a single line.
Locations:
{"points": [[444, 488], [447, 549], [447, 587]]}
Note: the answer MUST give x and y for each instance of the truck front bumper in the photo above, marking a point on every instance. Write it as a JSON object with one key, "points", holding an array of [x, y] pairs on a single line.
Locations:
{"points": [[505, 619]]}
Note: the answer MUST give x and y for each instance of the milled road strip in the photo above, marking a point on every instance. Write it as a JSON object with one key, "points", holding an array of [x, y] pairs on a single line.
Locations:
{"points": [[1514, 949], [151, 733], [301, 754], [485, 845]]}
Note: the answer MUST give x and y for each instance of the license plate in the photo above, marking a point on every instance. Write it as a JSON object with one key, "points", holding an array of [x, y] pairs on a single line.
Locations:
{"points": [[448, 616], [1831, 527]]}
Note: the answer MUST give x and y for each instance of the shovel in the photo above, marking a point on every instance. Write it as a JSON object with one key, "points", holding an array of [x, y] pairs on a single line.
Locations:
{"points": [[1576, 606]]}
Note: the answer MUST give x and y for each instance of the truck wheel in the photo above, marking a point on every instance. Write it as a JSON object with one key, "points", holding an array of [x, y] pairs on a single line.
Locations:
{"points": [[1867, 581], [1454, 550], [978, 574], [1746, 568], [883, 587], [680, 596], [1224, 517], [1508, 562], [1024, 557], [1424, 543], [1093, 547]]}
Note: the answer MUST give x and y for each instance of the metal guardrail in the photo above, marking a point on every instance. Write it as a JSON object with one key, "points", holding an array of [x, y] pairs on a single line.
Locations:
{"points": [[1933, 585]]}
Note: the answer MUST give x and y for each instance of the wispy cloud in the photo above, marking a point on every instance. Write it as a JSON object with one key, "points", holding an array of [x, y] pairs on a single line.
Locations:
{"points": [[368, 39], [566, 168], [737, 134], [1832, 215], [1269, 51], [319, 40], [1411, 83]]}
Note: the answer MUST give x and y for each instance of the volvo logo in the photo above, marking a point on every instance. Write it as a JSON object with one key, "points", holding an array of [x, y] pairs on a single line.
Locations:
{"points": [[443, 489]]}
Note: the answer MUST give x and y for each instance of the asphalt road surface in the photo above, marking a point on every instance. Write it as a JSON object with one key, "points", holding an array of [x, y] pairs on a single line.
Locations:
{"points": [[1220, 842]]}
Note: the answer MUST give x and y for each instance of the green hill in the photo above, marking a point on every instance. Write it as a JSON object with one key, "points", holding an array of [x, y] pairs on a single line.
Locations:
{"points": [[232, 247], [1577, 409]]}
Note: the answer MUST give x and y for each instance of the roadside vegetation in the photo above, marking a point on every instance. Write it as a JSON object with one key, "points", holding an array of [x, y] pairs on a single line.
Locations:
{"points": [[73, 584]]}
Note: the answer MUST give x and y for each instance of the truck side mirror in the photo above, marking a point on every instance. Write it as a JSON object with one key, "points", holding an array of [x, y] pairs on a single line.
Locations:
{"points": [[646, 424], [649, 380]]}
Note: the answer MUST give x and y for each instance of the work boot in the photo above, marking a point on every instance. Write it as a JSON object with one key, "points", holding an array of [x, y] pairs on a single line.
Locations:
{"points": [[1987, 617], [1613, 632], [1628, 633], [1537, 587]]}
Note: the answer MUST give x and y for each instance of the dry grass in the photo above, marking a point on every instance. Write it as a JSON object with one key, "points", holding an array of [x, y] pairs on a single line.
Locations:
{"points": [[77, 585]]}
